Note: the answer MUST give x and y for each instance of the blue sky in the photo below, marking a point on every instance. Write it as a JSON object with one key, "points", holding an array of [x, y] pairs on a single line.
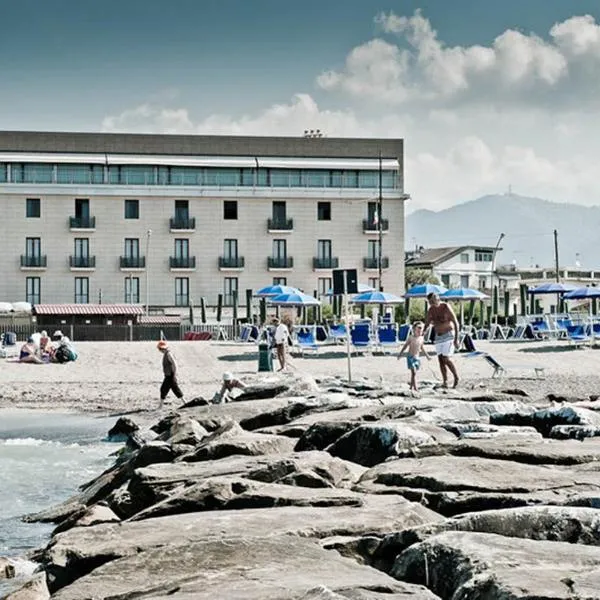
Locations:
{"points": [[487, 94]]}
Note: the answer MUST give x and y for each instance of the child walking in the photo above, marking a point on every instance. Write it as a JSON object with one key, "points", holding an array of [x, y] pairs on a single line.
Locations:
{"points": [[414, 343]]}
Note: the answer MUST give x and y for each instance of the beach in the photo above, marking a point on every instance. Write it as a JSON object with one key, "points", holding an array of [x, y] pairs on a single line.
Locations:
{"points": [[113, 377]]}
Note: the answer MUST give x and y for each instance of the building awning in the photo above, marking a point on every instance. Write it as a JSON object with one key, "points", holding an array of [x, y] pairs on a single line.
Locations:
{"points": [[88, 309], [159, 320]]}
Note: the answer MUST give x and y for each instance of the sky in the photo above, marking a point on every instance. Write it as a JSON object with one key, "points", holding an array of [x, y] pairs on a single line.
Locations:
{"points": [[487, 95]]}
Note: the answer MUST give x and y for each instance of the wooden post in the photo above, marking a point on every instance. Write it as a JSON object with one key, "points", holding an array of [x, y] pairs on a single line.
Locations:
{"points": [[523, 298], [234, 298], [203, 310], [249, 306], [506, 304], [219, 307]]}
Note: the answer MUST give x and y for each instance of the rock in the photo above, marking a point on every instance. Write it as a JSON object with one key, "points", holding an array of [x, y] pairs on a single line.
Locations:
{"points": [[152, 452], [574, 432], [494, 567], [322, 434], [262, 392], [370, 444], [563, 398], [515, 392], [467, 431], [184, 430], [236, 568], [35, 589], [199, 401], [7, 569], [122, 429], [87, 517], [78, 551]]}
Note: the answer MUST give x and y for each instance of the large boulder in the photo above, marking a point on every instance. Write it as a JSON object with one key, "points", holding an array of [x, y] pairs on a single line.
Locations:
{"points": [[184, 430], [494, 567], [271, 568], [34, 589], [122, 429], [88, 516], [7, 568]]}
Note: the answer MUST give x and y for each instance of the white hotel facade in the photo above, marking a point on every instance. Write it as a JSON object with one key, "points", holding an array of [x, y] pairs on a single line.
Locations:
{"points": [[168, 219]]}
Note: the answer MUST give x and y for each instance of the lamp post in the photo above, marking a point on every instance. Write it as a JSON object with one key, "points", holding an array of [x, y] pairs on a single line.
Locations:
{"points": [[148, 234], [494, 268]]}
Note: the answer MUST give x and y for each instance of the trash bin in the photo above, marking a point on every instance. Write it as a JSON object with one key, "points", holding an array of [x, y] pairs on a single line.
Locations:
{"points": [[265, 359]]}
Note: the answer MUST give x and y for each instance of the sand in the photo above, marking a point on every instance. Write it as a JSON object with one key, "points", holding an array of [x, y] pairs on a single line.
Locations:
{"points": [[123, 376]]}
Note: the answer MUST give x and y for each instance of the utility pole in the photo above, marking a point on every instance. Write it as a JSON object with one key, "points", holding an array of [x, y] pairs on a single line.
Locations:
{"points": [[556, 255], [380, 223]]}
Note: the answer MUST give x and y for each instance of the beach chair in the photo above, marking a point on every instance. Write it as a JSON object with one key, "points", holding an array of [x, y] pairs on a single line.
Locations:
{"points": [[360, 337], [337, 333], [404, 332], [9, 348], [578, 335], [305, 341], [387, 338], [321, 334]]}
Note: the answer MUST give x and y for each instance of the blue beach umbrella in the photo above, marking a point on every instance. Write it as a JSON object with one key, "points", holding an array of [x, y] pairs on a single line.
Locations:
{"points": [[276, 290], [296, 298], [376, 298], [463, 294], [552, 288], [583, 293], [423, 290]]}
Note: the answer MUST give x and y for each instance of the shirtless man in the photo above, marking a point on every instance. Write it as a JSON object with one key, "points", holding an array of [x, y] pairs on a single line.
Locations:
{"points": [[445, 325]]}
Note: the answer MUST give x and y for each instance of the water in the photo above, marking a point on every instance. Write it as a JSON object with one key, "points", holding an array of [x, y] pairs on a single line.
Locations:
{"points": [[44, 458]]}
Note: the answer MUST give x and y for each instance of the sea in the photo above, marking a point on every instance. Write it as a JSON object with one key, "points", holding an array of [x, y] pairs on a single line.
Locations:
{"points": [[44, 458]]}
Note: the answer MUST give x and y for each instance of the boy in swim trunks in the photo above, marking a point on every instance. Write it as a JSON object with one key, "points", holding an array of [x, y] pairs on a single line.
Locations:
{"points": [[414, 343]]}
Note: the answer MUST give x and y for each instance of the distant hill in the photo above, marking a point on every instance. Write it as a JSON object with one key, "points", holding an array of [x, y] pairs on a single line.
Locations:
{"points": [[528, 225]]}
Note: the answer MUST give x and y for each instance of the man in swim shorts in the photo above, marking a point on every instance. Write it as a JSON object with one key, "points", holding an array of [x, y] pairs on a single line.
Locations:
{"points": [[445, 325]]}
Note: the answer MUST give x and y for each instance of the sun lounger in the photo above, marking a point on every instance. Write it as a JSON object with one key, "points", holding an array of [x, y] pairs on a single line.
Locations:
{"points": [[578, 335], [305, 341], [404, 332], [337, 333], [8, 346], [360, 337], [387, 338]]}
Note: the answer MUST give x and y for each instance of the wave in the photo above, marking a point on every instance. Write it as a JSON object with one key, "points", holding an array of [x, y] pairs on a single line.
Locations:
{"points": [[29, 441]]}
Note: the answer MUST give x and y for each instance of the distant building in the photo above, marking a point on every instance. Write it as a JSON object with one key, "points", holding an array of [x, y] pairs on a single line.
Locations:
{"points": [[456, 266]]}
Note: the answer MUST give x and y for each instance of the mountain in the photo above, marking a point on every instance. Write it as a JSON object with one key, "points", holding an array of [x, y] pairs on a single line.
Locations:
{"points": [[527, 223]]}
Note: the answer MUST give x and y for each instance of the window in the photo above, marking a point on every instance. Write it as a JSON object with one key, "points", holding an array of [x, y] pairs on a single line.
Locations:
{"points": [[82, 209], [132, 248], [132, 209], [280, 249], [482, 281], [464, 281], [324, 211], [182, 291], [464, 257], [230, 249], [82, 290], [446, 280], [33, 208], [231, 290], [182, 210], [279, 280], [324, 250], [483, 256], [324, 286], [279, 212], [33, 247], [373, 282], [32, 290], [373, 249], [372, 213], [82, 247], [182, 249], [132, 290], [230, 210]]}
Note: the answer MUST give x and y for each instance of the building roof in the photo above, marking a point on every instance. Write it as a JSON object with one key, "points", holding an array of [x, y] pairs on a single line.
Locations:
{"points": [[88, 309], [430, 257], [203, 145]]}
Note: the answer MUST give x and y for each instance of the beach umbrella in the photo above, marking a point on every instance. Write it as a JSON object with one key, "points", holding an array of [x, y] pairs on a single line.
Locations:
{"points": [[582, 293], [462, 295], [362, 288], [552, 288], [423, 290], [295, 298], [376, 298], [276, 290]]}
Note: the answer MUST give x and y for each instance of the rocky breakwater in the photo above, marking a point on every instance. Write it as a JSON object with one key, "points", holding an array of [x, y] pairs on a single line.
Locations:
{"points": [[340, 491]]}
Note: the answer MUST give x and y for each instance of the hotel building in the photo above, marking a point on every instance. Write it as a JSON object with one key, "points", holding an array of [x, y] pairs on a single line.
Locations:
{"points": [[168, 219]]}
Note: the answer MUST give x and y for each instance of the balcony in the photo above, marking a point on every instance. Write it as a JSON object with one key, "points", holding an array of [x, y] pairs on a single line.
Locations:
{"points": [[182, 224], [82, 223], [276, 263], [86, 263], [370, 227], [231, 263], [280, 225], [34, 262], [325, 263], [370, 264], [182, 263], [131, 263]]}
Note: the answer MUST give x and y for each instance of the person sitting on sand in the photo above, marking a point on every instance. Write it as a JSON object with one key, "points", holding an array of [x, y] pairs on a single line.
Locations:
{"points": [[29, 352], [415, 344], [230, 383], [44, 341]]}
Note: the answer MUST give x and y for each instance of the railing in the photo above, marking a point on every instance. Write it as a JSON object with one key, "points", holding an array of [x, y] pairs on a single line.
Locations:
{"points": [[132, 262], [370, 225], [373, 263], [39, 261], [231, 262], [325, 263], [182, 223], [182, 262], [82, 262], [276, 262], [280, 224], [82, 222]]}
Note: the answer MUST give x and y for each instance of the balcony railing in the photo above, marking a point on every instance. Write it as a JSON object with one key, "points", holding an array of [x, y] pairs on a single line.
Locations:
{"points": [[133, 262], [373, 263], [280, 224], [276, 262], [82, 262], [326, 263], [231, 262], [82, 222], [182, 223], [371, 226], [182, 262], [38, 261]]}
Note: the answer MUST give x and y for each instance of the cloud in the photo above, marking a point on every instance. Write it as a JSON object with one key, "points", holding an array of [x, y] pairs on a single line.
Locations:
{"points": [[514, 68]]}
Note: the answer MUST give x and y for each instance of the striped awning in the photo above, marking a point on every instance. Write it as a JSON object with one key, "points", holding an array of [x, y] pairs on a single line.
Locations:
{"points": [[159, 320], [88, 309]]}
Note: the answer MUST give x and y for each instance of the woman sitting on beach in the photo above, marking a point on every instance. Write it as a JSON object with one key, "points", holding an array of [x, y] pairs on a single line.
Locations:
{"points": [[29, 353]]}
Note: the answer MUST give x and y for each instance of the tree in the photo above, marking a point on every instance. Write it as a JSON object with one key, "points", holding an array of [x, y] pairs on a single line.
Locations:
{"points": [[414, 276]]}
